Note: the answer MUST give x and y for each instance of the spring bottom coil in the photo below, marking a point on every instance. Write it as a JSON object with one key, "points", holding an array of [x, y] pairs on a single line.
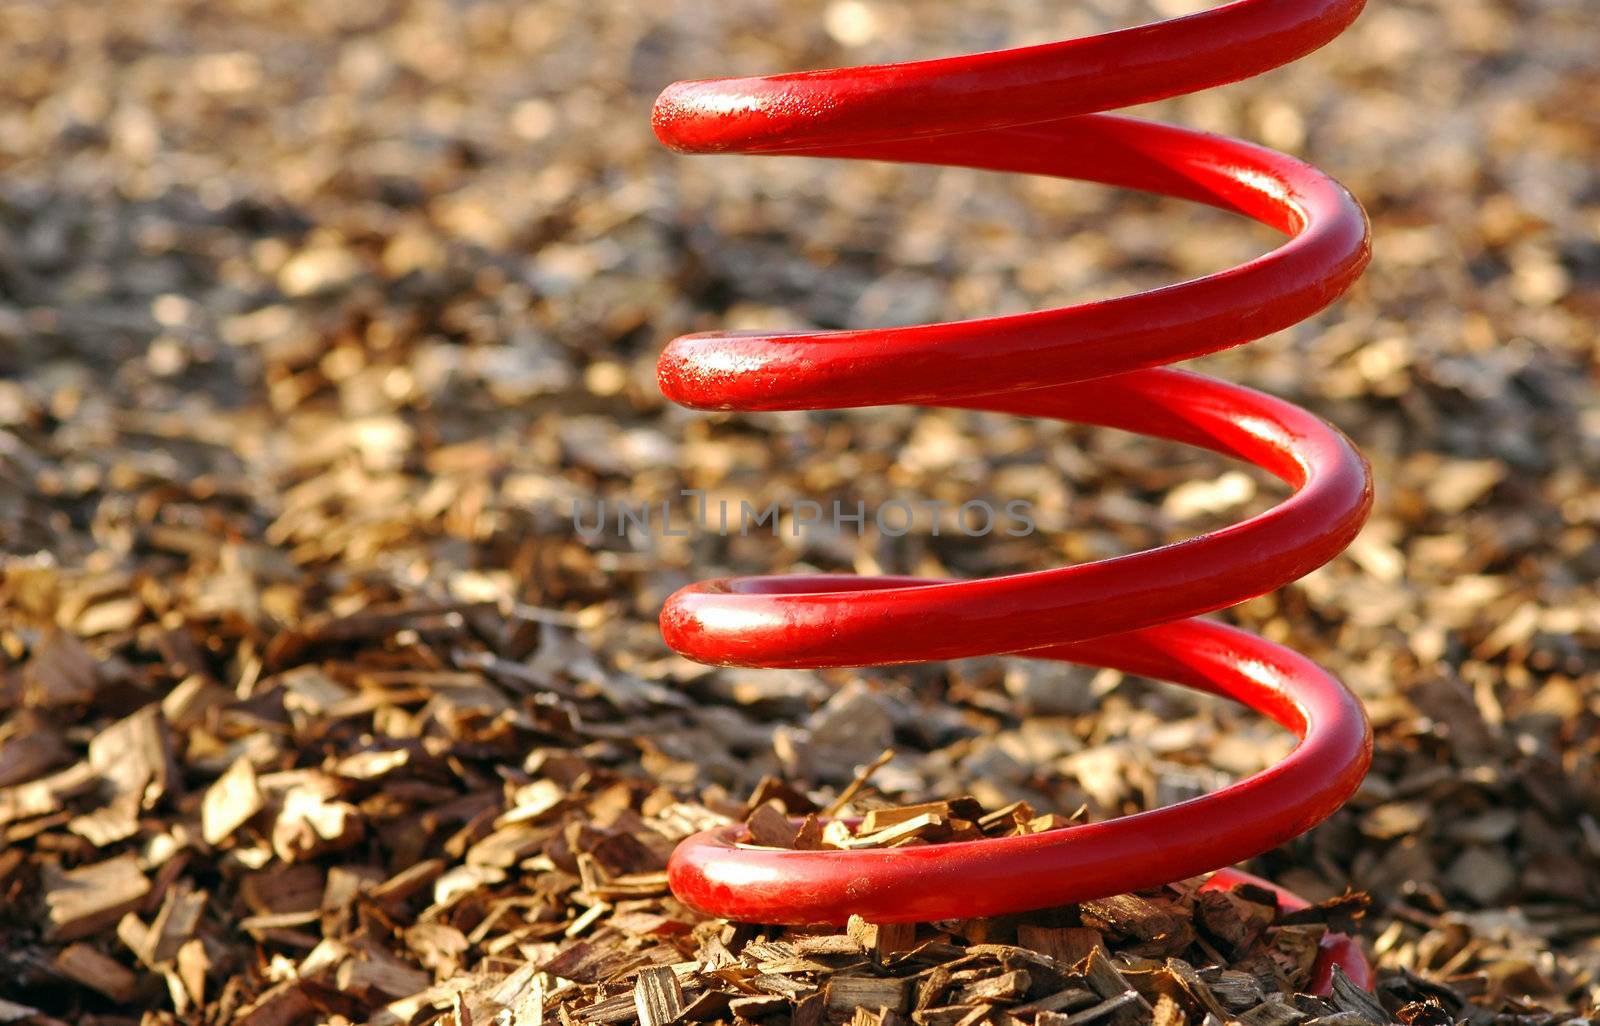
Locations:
{"points": [[1031, 111]]}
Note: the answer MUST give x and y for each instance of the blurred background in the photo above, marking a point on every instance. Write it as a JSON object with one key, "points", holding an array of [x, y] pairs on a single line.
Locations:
{"points": [[312, 307]]}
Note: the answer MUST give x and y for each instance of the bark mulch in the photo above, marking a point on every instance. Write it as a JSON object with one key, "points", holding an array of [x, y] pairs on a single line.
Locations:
{"points": [[318, 320]]}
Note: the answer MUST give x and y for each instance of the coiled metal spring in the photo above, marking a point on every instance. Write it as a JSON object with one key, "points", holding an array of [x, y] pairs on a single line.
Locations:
{"points": [[1033, 111]]}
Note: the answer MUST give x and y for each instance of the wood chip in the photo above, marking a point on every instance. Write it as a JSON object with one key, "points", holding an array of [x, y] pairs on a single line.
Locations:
{"points": [[285, 1004], [845, 993], [89, 967], [658, 996], [82, 901], [769, 825], [231, 802]]}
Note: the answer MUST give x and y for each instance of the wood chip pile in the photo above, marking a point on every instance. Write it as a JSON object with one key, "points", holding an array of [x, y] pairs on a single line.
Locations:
{"points": [[318, 320]]}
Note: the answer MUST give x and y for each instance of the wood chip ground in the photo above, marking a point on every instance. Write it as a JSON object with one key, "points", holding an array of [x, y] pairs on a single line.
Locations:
{"points": [[317, 320]]}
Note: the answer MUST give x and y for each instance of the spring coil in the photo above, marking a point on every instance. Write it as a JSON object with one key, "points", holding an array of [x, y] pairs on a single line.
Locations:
{"points": [[1033, 110]]}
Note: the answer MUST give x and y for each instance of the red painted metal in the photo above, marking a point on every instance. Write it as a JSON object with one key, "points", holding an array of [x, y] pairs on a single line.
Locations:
{"points": [[1032, 111]]}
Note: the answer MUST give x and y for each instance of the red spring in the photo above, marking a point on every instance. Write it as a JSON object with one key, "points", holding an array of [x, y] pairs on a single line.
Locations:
{"points": [[1032, 110]]}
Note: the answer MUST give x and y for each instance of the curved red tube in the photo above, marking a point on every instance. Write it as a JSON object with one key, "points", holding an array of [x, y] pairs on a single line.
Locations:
{"points": [[1032, 111]]}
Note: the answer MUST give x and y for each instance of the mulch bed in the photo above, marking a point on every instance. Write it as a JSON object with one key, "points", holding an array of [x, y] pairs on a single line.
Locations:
{"points": [[316, 320], [442, 811]]}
